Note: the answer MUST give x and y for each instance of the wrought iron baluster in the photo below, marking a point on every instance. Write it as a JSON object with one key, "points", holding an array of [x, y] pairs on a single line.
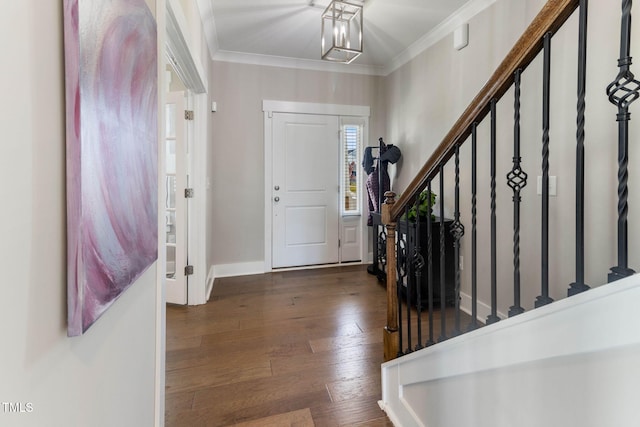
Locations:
{"points": [[457, 230], [493, 317], [399, 290], [622, 92], [443, 293], [382, 252], [546, 92], [473, 324], [418, 265], [403, 240], [579, 285], [517, 180], [430, 267]]}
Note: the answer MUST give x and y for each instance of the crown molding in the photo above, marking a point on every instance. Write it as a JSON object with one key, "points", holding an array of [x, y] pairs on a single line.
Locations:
{"points": [[300, 64], [446, 27]]}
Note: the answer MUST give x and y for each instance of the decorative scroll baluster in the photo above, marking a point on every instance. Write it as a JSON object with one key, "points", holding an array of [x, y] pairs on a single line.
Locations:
{"points": [[418, 265], [473, 324], [382, 251], [546, 91], [430, 267], [517, 180], [457, 230], [623, 91], [403, 240], [579, 285], [443, 293], [493, 317]]}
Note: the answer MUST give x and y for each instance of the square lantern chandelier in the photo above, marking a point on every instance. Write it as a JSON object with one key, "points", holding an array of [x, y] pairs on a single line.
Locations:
{"points": [[342, 31]]}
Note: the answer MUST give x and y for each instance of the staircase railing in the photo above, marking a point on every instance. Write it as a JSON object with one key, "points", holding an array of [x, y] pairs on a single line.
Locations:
{"points": [[535, 40]]}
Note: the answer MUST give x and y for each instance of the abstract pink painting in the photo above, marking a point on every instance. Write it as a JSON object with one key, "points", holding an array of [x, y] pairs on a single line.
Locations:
{"points": [[112, 146]]}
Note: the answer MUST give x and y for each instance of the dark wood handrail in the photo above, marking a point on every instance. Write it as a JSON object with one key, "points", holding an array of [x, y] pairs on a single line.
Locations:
{"points": [[552, 16]]}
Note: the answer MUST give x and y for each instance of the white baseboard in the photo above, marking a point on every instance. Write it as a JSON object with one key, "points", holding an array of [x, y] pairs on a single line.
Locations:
{"points": [[483, 309], [238, 269], [209, 283]]}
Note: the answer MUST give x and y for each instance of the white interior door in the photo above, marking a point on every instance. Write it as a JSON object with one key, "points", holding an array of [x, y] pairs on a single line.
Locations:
{"points": [[305, 193], [175, 201]]}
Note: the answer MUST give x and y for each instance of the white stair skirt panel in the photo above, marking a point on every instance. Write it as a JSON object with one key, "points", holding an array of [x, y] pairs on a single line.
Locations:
{"points": [[571, 363]]}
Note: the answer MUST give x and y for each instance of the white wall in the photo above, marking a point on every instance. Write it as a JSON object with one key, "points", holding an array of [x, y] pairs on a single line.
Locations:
{"points": [[236, 205], [107, 376], [426, 96]]}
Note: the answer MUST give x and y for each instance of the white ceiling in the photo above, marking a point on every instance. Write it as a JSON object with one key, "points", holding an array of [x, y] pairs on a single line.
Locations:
{"points": [[289, 30]]}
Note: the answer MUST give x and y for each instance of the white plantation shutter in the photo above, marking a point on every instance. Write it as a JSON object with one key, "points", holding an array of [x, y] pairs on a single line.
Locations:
{"points": [[351, 152]]}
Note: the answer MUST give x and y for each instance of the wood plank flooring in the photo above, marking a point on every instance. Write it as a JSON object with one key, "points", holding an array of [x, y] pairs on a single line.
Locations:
{"points": [[298, 348]]}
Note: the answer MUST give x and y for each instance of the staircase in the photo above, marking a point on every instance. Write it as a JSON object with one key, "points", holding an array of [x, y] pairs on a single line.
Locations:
{"points": [[535, 361]]}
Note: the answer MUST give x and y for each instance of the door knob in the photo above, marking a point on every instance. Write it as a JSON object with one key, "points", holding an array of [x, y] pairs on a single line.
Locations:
{"points": [[277, 187], [277, 199]]}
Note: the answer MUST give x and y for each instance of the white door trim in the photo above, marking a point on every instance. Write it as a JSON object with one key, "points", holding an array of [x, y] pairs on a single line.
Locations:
{"points": [[178, 50], [179, 54], [197, 284], [269, 107], [176, 287], [312, 108], [172, 28]]}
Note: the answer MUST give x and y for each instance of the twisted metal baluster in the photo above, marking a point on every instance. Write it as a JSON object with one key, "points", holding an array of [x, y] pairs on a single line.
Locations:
{"points": [[443, 291], [623, 91], [517, 180], [403, 274], [544, 298], [473, 324], [398, 290], [579, 285], [430, 267], [457, 230], [418, 265], [493, 317]]}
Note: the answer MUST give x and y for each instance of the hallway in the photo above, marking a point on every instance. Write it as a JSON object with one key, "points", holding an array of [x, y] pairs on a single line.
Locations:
{"points": [[297, 348]]}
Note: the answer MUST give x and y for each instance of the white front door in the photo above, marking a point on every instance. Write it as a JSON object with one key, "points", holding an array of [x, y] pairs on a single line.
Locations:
{"points": [[305, 192], [175, 201]]}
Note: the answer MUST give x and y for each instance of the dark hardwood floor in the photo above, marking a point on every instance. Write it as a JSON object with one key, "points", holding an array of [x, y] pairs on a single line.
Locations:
{"points": [[298, 348]]}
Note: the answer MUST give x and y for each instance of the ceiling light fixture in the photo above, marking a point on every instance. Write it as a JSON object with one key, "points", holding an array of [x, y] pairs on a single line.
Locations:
{"points": [[342, 31]]}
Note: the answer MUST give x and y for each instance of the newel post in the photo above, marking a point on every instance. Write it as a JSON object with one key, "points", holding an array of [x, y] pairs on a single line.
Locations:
{"points": [[390, 334]]}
